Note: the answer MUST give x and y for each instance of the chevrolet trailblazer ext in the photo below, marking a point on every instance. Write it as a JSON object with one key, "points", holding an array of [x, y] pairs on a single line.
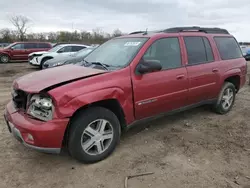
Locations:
{"points": [[84, 107]]}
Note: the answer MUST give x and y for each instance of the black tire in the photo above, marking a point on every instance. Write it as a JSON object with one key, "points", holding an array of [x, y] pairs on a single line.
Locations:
{"points": [[78, 126], [43, 61], [4, 58], [218, 107]]}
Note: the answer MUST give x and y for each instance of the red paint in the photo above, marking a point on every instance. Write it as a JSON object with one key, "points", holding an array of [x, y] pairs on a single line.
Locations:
{"points": [[22, 54], [169, 89]]}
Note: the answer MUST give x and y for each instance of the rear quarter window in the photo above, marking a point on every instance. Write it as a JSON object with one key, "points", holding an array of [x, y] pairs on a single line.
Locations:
{"points": [[228, 48]]}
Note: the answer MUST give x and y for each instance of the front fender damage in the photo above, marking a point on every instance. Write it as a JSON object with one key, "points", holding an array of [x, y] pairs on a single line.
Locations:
{"points": [[67, 109]]}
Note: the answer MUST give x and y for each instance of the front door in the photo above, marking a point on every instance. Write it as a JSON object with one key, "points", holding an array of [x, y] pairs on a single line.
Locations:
{"points": [[18, 52], [164, 90]]}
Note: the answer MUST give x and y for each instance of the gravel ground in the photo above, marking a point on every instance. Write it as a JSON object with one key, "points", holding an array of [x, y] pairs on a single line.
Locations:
{"points": [[196, 148]]}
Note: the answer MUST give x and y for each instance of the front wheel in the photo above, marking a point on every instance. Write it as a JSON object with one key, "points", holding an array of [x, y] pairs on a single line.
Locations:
{"points": [[94, 134], [226, 98], [43, 61], [4, 59]]}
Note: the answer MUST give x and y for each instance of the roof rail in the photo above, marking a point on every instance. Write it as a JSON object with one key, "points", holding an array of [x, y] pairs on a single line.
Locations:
{"points": [[136, 32], [195, 29]]}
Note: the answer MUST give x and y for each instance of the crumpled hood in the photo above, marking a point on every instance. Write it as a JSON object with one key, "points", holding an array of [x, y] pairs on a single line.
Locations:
{"points": [[38, 53], [40, 80]]}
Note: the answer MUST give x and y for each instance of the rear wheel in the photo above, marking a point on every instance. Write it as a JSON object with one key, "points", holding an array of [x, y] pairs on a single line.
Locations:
{"points": [[226, 98], [93, 135], [4, 58]]}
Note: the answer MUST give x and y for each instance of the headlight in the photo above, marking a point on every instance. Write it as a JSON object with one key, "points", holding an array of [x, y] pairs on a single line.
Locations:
{"points": [[41, 107]]}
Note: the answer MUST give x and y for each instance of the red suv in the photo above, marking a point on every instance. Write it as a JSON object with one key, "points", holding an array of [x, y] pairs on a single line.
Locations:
{"points": [[126, 80], [19, 51]]}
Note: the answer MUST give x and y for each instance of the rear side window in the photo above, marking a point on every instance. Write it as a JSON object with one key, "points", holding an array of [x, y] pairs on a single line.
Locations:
{"points": [[228, 48], [210, 56], [198, 50], [77, 48], [30, 45], [43, 45]]}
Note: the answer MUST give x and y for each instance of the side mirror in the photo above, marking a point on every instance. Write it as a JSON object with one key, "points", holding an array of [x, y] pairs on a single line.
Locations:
{"points": [[146, 66], [59, 51], [11, 48]]}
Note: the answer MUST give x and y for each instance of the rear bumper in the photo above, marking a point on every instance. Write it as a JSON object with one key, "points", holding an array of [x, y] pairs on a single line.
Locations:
{"points": [[45, 137]]}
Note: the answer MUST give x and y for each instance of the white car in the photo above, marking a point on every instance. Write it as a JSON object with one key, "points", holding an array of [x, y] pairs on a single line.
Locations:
{"points": [[39, 58]]}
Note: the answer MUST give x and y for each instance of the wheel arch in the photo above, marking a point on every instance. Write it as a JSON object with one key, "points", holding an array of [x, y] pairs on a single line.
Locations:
{"points": [[111, 104], [235, 80]]}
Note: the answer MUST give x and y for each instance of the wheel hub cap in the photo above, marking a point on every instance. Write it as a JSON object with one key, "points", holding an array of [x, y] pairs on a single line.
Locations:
{"points": [[97, 137], [227, 98]]}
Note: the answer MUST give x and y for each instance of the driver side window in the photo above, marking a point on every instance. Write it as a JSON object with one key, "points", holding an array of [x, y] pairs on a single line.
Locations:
{"points": [[18, 47], [167, 51]]}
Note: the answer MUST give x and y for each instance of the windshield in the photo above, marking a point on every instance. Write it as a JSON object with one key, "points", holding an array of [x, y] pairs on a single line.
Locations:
{"points": [[116, 52], [55, 48], [83, 52]]}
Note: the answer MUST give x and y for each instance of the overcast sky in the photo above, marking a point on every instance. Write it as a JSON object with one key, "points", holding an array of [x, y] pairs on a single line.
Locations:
{"points": [[130, 15]]}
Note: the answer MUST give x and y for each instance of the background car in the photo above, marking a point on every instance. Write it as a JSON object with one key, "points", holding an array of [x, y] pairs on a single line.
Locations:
{"points": [[246, 52], [71, 59], [39, 58], [19, 51]]}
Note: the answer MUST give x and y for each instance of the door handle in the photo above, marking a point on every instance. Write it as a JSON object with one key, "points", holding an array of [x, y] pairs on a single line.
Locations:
{"points": [[215, 70], [178, 77]]}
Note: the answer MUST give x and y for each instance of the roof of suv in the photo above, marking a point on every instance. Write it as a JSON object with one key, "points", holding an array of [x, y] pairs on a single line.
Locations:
{"points": [[30, 42], [177, 30]]}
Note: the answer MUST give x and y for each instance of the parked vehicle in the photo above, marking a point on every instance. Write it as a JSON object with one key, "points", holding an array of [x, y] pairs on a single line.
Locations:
{"points": [[246, 52], [70, 59], [39, 58], [126, 80], [3, 45], [19, 51]]}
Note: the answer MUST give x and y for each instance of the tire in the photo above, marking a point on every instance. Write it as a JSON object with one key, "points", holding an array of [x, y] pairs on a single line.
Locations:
{"points": [[42, 62], [84, 147], [4, 58], [220, 106]]}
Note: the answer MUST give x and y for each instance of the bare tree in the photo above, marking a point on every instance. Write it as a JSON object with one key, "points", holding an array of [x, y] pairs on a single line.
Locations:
{"points": [[117, 33], [21, 24]]}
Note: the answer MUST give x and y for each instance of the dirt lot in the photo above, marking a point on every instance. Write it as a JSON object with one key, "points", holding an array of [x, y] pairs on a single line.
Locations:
{"points": [[193, 149]]}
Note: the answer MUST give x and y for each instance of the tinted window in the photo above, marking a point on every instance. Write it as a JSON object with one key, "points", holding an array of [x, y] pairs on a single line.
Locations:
{"points": [[195, 50], [66, 49], [228, 47], [167, 51], [43, 45], [18, 46], [77, 48], [30, 45], [210, 56]]}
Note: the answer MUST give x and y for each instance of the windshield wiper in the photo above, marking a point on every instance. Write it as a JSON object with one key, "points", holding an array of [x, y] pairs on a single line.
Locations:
{"points": [[105, 66]]}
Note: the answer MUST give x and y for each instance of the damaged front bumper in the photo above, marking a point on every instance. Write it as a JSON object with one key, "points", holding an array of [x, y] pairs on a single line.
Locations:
{"points": [[45, 137]]}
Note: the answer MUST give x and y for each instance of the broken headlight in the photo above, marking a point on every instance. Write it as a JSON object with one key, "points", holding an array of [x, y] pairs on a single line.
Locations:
{"points": [[41, 107]]}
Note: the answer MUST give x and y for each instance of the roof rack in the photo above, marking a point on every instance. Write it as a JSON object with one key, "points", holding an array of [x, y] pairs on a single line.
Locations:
{"points": [[136, 32], [195, 29]]}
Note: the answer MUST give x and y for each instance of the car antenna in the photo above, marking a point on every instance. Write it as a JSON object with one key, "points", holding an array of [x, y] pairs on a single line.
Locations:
{"points": [[146, 32]]}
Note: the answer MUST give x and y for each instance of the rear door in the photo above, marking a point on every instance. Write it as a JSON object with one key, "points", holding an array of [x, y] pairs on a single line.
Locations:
{"points": [[29, 48], [202, 69], [164, 90]]}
